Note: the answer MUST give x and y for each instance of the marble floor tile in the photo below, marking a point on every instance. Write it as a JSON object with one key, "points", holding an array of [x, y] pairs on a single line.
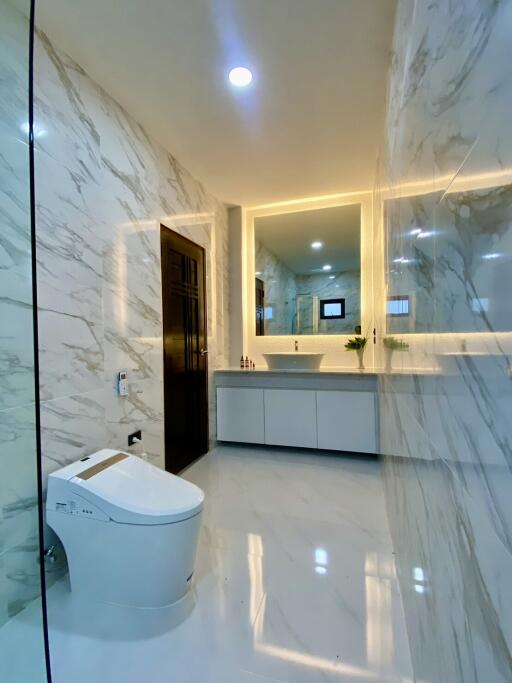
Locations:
{"points": [[295, 583]]}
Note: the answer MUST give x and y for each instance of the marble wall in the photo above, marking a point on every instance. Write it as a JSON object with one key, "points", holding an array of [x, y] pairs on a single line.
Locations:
{"points": [[445, 429], [280, 292], [103, 186]]}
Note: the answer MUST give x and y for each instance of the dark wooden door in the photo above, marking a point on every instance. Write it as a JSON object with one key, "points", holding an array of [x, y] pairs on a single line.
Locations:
{"points": [[260, 307], [185, 351]]}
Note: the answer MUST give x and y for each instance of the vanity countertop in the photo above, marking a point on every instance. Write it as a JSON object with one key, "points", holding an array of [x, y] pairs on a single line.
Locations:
{"points": [[326, 370], [325, 378], [320, 371]]}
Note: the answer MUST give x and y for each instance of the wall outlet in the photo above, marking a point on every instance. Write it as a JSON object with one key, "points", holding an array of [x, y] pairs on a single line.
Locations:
{"points": [[133, 436]]}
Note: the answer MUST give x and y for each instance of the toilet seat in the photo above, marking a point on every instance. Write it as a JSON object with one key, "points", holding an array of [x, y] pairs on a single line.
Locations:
{"points": [[129, 490]]}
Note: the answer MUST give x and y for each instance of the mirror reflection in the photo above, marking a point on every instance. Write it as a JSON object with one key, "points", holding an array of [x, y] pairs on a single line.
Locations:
{"points": [[461, 239], [308, 271]]}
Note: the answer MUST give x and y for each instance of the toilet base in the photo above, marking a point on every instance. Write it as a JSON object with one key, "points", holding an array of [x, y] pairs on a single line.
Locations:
{"points": [[128, 564]]}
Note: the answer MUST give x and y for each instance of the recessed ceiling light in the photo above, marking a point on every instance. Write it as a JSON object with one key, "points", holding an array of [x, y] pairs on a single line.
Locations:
{"points": [[332, 277], [316, 245], [326, 267], [491, 256], [240, 76]]}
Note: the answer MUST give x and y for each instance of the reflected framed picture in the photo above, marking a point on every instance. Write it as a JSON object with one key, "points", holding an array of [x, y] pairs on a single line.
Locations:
{"points": [[332, 309]]}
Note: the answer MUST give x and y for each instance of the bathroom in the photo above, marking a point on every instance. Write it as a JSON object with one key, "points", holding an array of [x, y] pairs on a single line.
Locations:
{"points": [[255, 376]]}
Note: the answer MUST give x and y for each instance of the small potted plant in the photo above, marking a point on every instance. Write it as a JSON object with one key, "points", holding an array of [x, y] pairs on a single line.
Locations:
{"points": [[357, 344], [392, 344]]}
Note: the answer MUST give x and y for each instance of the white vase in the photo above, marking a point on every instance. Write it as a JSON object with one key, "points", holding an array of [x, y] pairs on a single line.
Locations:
{"points": [[360, 354]]}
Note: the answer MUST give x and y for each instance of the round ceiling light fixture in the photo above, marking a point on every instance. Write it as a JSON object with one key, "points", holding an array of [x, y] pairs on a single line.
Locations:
{"points": [[240, 76], [316, 245], [326, 267]]}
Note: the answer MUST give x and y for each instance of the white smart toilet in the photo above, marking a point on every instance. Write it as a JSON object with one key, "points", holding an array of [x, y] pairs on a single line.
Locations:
{"points": [[130, 530]]}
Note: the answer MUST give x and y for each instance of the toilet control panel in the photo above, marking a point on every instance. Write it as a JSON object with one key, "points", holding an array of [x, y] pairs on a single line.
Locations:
{"points": [[78, 506]]}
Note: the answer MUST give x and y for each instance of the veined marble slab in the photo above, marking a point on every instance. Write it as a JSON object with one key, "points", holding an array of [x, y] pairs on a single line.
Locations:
{"points": [[447, 439]]}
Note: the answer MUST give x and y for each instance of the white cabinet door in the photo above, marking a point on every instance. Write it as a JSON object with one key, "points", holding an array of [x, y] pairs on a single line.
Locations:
{"points": [[346, 421], [240, 415], [290, 418]]}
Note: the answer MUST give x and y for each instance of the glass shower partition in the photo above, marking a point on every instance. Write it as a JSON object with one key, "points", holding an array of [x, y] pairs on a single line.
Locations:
{"points": [[23, 655]]}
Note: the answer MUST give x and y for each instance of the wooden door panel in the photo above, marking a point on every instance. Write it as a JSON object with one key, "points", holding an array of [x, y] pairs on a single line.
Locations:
{"points": [[184, 335]]}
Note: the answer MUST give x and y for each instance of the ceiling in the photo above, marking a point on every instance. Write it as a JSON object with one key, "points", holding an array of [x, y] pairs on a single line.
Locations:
{"points": [[310, 122], [289, 236]]}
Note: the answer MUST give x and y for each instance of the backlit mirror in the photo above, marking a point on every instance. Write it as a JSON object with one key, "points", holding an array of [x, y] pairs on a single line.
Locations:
{"points": [[308, 271]]}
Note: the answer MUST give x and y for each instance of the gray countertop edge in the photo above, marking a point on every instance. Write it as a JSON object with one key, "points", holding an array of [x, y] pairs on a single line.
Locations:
{"points": [[322, 372]]}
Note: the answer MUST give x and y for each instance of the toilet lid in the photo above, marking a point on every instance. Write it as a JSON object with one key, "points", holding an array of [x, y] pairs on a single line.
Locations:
{"points": [[132, 491]]}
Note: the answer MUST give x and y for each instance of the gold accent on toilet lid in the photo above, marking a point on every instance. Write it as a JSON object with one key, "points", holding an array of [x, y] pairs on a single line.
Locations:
{"points": [[100, 466]]}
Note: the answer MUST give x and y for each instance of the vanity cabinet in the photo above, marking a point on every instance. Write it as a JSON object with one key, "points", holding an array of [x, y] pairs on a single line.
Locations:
{"points": [[240, 415], [290, 418], [305, 417]]}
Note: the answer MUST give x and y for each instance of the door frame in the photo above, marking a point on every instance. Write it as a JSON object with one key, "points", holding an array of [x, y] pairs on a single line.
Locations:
{"points": [[187, 240]]}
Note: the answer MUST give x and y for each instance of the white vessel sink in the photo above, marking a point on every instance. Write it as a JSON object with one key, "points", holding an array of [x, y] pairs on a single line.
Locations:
{"points": [[297, 360]]}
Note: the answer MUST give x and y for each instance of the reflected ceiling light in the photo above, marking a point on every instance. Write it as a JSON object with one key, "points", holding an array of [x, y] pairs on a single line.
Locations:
{"points": [[320, 556], [491, 256], [240, 76], [425, 233], [39, 131], [258, 272], [332, 277], [320, 570], [419, 574], [326, 267], [316, 245], [415, 231]]}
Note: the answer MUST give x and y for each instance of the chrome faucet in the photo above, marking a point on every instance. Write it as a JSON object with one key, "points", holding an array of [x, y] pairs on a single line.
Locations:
{"points": [[296, 345]]}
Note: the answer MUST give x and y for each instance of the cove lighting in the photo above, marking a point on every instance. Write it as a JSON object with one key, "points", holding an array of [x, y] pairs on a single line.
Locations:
{"points": [[240, 76], [316, 245], [326, 267]]}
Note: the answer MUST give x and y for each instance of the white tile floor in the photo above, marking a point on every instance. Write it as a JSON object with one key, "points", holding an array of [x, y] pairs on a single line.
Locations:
{"points": [[294, 582]]}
